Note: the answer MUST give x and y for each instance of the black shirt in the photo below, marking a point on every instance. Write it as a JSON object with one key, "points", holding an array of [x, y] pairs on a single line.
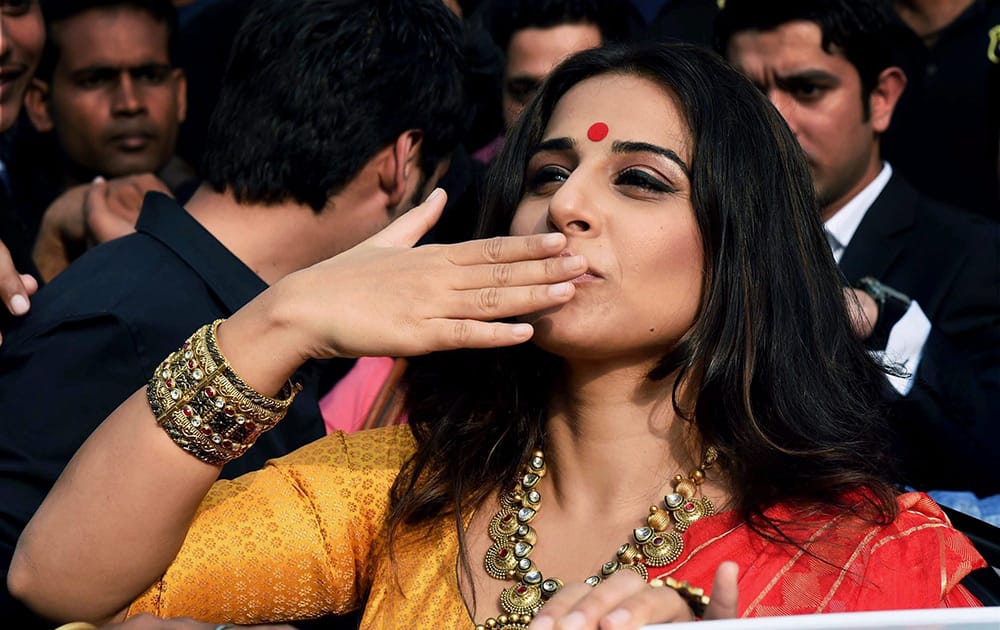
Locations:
{"points": [[945, 128], [94, 336]]}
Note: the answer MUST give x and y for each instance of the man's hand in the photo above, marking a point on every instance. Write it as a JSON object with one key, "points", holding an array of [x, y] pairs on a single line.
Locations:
{"points": [[88, 215], [863, 311]]}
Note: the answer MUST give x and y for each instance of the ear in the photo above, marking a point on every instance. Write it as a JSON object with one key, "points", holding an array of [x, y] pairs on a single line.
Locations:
{"points": [[182, 101], [36, 103], [398, 164], [882, 101]]}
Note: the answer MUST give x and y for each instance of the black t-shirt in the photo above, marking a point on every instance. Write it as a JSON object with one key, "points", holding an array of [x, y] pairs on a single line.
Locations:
{"points": [[945, 130]]}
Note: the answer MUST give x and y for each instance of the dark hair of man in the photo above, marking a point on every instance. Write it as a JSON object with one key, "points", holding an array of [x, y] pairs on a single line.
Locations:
{"points": [[503, 18], [770, 373], [56, 11], [315, 88], [858, 29]]}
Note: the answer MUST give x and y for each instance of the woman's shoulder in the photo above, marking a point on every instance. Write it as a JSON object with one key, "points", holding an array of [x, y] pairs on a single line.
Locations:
{"points": [[920, 527], [375, 449]]}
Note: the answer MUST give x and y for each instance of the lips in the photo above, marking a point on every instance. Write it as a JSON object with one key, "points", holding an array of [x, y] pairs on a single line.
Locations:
{"points": [[9, 75], [131, 140], [588, 276]]}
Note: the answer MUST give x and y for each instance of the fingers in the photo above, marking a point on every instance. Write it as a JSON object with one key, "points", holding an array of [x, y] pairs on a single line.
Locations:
{"points": [[13, 290], [409, 228], [111, 208], [622, 602], [506, 249], [725, 592]]}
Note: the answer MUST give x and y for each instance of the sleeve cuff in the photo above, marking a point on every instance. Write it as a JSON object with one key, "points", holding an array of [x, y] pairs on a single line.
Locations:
{"points": [[905, 347]]}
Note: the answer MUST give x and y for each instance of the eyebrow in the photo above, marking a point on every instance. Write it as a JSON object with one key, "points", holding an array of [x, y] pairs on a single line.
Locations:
{"points": [[816, 76], [620, 146]]}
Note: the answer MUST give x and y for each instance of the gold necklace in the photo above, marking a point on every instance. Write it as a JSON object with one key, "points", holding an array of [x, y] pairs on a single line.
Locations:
{"points": [[656, 544]]}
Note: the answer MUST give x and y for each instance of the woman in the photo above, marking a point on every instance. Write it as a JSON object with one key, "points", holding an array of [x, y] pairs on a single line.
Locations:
{"points": [[701, 359]]}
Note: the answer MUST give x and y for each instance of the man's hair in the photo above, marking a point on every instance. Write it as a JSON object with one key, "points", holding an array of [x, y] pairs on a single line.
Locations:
{"points": [[503, 18], [315, 88], [56, 11], [856, 28]]}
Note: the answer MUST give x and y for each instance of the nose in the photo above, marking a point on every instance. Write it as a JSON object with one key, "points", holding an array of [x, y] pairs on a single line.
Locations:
{"points": [[573, 208], [5, 46], [127, 100]]}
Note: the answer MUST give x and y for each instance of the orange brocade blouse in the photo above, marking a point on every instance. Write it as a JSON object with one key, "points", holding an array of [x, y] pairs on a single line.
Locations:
{"points": [[301, 539]]}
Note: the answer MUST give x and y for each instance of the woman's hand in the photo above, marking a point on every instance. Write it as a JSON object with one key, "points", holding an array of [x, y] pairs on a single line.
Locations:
{"points": [[625, 602], [386, 298]]}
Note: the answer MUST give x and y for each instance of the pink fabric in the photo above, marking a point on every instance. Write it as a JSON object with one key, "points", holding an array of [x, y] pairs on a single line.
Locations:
{"points": [[346, 406]]}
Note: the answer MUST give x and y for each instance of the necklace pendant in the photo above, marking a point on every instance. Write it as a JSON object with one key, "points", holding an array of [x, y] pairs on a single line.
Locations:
{"points": [[609, 568], [500, 562], [690, 511], [663, 549], [503, 525], [521, 599]]}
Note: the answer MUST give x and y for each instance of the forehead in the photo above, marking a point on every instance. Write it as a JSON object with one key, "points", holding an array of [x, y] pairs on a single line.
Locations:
{"points": [[114, 36], [634, 109], [536, 51], [787, 49]]}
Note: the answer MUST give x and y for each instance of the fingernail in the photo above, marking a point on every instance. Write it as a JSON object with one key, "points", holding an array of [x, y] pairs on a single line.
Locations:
{"points": [[552, 239], [618, 617], [573, 262], [98, 180], [522, 331], [560, 290], [573, 621], [434, 195], [542, 623], [19, 305]]}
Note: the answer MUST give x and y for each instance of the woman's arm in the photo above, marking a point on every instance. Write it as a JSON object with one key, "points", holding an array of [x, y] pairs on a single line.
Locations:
{"points": [[120, 510]]}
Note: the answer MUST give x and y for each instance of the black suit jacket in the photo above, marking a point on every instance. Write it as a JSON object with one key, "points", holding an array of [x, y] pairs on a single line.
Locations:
{"points": [[948, 427]]}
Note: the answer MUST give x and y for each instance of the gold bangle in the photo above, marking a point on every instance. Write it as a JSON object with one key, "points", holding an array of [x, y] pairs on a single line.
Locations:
{"points": [[693, 596], [205, 407]]}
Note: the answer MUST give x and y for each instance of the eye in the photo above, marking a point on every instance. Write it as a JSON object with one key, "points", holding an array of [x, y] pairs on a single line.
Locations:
{"points": [[545, 178], [521, 90], [637, 178], [96, 78], [153, 74], [806, 91], [15, 7]]}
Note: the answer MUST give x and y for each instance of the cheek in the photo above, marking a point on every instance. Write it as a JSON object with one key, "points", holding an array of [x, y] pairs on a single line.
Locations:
{"points": [[529, 219]]}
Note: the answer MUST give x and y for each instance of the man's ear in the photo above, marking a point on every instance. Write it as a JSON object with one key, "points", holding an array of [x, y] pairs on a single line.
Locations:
{"points": [[36, 103], [400, 162], [882, 101]]}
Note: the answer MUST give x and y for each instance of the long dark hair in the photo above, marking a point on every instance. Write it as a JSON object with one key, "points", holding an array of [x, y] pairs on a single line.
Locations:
{"points": [[771, 371]]}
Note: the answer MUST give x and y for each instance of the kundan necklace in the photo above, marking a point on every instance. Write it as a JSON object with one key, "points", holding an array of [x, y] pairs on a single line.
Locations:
{"points": [[656, 544]]}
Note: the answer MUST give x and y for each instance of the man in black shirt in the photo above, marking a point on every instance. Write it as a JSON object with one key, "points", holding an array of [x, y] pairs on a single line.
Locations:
{"points": [[22, 36], [943, 136], [334, 118]]}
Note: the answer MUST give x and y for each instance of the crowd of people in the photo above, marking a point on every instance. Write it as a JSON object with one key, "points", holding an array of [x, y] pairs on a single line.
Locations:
{"points": [[308, 304]]}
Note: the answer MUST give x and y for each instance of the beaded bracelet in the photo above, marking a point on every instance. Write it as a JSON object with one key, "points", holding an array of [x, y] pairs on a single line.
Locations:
{"points": [[205, 407], [693, 596]]}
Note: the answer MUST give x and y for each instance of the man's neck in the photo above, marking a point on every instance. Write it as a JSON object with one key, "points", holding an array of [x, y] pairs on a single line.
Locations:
{"points": [[272, 240], [927, 18]]}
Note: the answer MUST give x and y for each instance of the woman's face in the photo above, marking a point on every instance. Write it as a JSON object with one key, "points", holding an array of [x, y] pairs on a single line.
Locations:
{"points": [[611, 173]]}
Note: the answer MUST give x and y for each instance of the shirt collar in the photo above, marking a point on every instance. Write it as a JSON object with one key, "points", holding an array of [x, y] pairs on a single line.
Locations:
{"points": [[840, 228], [233, 282]]}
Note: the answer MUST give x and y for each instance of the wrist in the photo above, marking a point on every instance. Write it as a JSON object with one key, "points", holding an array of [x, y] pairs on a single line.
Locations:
{"points": [[262, 344], [892, 305]]}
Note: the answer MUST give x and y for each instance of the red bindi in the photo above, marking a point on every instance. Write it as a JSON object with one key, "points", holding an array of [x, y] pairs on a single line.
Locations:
{"points": [[597, 132]]}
